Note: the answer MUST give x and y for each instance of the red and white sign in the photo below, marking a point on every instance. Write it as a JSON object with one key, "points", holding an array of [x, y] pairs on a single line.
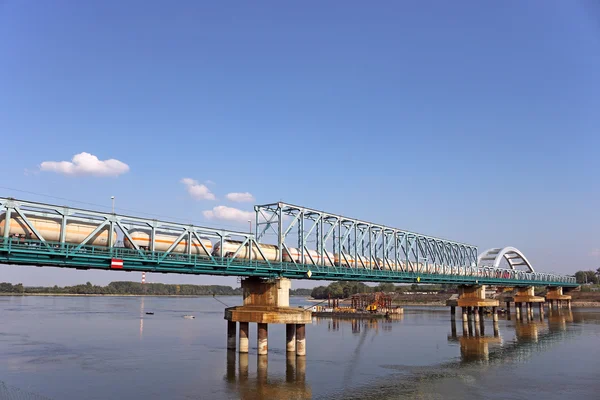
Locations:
{"points": [[116, 264]]}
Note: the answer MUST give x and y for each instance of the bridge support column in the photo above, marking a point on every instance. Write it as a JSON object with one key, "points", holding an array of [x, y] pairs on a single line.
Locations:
{"points": [[231, 335], [290, 338], [525, 294], [494, 314], [262, 339], [300, 340], [465, 314], [555, 294], [453, 313], [243, 348], [508, 307], [265, 302], [473, 298]]}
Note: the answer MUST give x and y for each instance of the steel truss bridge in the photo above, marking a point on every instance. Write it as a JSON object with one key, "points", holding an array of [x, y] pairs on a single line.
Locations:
{"points": [[327, 247]]}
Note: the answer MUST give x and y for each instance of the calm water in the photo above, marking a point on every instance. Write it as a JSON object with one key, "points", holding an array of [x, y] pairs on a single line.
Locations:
{"points": [[108, 348]]}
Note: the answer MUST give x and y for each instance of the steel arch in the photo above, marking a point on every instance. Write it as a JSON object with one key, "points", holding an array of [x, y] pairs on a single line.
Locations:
{"points": [[512, 255]]}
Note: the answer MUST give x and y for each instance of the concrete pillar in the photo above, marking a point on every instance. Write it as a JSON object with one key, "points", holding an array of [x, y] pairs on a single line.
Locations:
{"points": [[569, 304], [465, 328], [508, 307], [494, 314], [243, 347], [452, 313], [477, 327], [263, 335], [496, 330], [300, 340], [518, 309], [482, 326], [290, 337], [465, 315], [476, 314], [231, 335]]}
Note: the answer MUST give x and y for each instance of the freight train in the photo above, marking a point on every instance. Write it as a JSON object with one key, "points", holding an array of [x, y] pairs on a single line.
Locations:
{"points": [[76, 232]]}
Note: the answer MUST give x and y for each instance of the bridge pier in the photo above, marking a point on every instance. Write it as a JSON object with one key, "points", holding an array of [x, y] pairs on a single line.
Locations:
{"points": [[555, 294], [471, 298], [243, 337], [231, 335], [525, 294], [267, 302]]}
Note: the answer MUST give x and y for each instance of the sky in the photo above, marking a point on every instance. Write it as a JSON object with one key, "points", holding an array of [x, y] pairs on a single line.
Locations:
{"points": [[473, 121]]}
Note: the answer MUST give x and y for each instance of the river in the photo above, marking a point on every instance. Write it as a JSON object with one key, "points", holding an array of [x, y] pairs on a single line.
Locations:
{"points": [[109, 348]]}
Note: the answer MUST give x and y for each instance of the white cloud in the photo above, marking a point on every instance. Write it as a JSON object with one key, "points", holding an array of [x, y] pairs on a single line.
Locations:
{"points": [[229, 214], [86, 164], [595, 253], [197, 190], [209, 182], [240, 197]]}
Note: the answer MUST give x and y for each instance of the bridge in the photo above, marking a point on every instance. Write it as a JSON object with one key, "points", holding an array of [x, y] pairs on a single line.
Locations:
{"points": [[304, 244]]}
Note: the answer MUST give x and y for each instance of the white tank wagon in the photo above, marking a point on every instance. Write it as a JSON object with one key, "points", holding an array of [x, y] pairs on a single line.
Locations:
{"points": [[163, 241], [50, 228], [270, 251], [295, 255]]}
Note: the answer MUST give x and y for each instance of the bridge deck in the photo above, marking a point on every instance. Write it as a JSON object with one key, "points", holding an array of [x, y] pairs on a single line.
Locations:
{"points": [[38, 253]]}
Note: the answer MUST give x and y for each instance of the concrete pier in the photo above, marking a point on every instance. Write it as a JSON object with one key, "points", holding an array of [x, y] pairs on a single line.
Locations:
{"points": [[555, 295], [476, 314], [453, 313], [243, 347], [474, 296], [300, 340], [262, 339], [290, 338], [265, 302], [231, 335], [494, 314]]}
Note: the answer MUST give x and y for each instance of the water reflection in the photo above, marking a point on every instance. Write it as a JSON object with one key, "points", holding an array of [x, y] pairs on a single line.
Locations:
{"points": [[142, 317], [475, 345], [359, 324], [263, 386]]}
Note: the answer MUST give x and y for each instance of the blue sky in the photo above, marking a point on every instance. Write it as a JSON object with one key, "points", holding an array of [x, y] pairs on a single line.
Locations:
{"points": [[471, 121]]}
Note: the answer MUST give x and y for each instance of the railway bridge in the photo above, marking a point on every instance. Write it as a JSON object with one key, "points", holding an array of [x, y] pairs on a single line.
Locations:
{"points": [[288, 242]]}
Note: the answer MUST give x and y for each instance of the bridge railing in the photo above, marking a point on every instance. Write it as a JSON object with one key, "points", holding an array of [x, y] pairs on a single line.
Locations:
{"points": [[63, 251]]}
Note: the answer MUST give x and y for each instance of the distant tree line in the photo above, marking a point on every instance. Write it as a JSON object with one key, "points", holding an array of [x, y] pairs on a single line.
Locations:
{"points": [[343, 290], [135, 288], [590, 276]]}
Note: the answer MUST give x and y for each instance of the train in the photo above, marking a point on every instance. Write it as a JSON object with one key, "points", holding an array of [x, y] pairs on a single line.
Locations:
{"points": [[76, 232]]}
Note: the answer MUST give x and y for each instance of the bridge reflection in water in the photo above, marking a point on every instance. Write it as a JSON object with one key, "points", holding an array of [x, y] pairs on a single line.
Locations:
{"points": [[262, 386], [530, 335], [478, 341]]}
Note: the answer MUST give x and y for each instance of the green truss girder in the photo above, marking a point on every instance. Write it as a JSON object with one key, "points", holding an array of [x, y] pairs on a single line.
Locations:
{"points": [[37, 253]]}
